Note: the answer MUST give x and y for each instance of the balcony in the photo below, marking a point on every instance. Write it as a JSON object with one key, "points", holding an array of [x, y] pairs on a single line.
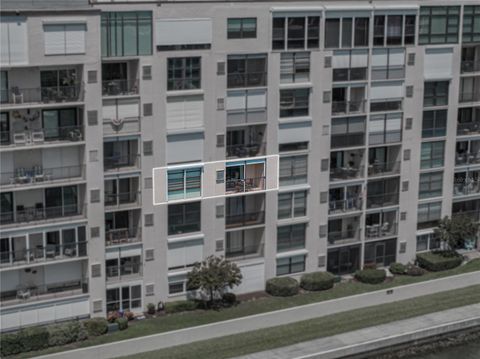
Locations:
{"points": [[343, 231], [348, 107], [37, 175], [248, 176], [469, 96], [39, 213], [34, 292], [468, 128], [119, 87], [338, 140], [383, 168], [466, 183], [244, 244], [470, 66], [129, 269], [123, 199], [42, 136], [244, 219], [120, 236], [463, 159], [345, 205], [42, 253], [470, 59], [18, 97], [382, 200], [121, 162], [376, 231], [346, 173], [246, 150]]}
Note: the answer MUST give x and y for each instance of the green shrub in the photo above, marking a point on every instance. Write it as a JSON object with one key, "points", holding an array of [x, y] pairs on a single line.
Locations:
{"points": [[122, 323], [282, 286], [317, 281], [151, 308], [10, 344], [438, 261], [34, 338], [415, 271], [180, 306], [398, 268], [370, 276], [61, 334], [96, 326], [229, 298]]}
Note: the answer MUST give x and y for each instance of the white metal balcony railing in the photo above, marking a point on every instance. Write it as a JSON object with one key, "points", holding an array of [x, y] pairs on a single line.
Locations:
{"points": [[385, 229], [119, 87], [245, 184], [383, 168], [40, 213], [43, 95], [38, 175], [123, 236], [42, 136], [345, 205]]}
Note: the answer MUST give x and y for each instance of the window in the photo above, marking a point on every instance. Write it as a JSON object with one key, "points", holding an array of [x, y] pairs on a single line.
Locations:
{"points": [[246, 71], [242, 28], [293, 146], [64, 39], [428, 242], [290, 265], [429, 214], [436, 93], [350, 65], [439, 24], [381, 253], [347, 132], [431, 185], [293, 170], [126, 33], [292, 204], [184, 254], [343, 260], [294, 103], [291, 237], [59, 85], [470, 89], [177, 284], [246, 106], [60, 124], [123, 266], [124, 298], [434, 123], [343, 32], [471, 24], [183, 218], [14, 44], [294, 67], [388, 64], [289, 32], [184, 73], [383, 193], [184, 183], [432, 154], [385, 128], [393, 30]]}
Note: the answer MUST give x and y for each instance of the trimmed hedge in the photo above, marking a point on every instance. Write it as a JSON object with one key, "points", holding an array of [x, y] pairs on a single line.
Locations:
{"points": [[439, 261], [66, 333], [370, 276], [96, 326], [317, 281], [26, 340], [282, 286], [415, 271], [180, 306], [122, 323], [398, 268], [229, 298]]}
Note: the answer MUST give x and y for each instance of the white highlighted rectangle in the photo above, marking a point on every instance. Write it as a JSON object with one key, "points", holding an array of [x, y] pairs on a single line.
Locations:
{"points": [[219, 179]]}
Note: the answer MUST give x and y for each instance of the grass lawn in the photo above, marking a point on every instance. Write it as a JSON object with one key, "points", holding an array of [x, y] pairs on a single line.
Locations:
{"points": [[189, 319], [265, 339]]}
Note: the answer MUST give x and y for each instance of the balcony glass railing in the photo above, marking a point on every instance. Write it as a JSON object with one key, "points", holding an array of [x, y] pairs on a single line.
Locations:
{"points": [[345, 205], [471, 186], [348, 107], [244, 252], [470, 66], [33, 292], [346, 173], [344, 236], [245, 184], [39, 175], [126, 270], [120, 162], [462, 159], [244, 219], [45, 95], [250, 79], [380, 230], [119, 87], [39, 213], [469, 96], [123, 235], [246, 150], [468, 128], [382, 200], [348, 140], [41, 136], [383, 168], [43, 253], [119, 199]]}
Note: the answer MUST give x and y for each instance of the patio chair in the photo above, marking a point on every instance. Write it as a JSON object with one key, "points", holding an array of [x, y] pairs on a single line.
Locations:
{"points": [[50, 251], [38, 174], [23, 293], [17, 95], [385, 228]]}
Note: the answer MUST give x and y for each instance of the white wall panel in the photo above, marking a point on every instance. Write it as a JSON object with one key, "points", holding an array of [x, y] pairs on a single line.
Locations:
{"points": [[184, 31], [386, 90], [438, 63]]}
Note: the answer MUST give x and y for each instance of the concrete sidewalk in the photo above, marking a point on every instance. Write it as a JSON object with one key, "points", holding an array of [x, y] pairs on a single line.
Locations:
{"points": [[382, 336], [269, 319]]}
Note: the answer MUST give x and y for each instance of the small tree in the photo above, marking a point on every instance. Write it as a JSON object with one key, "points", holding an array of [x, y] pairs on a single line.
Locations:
{"points": [[213, 275], [454, 231]]}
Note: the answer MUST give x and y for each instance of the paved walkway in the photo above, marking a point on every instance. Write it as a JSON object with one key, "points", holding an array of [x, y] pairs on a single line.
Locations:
{"points": [[270, 319], [371, 338]]}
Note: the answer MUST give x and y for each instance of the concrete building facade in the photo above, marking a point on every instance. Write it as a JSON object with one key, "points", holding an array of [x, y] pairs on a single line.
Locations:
{"points": [[140, 137]]}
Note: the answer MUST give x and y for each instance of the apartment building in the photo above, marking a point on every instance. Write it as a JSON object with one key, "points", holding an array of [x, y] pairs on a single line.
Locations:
{"points": [[140, 137]]}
